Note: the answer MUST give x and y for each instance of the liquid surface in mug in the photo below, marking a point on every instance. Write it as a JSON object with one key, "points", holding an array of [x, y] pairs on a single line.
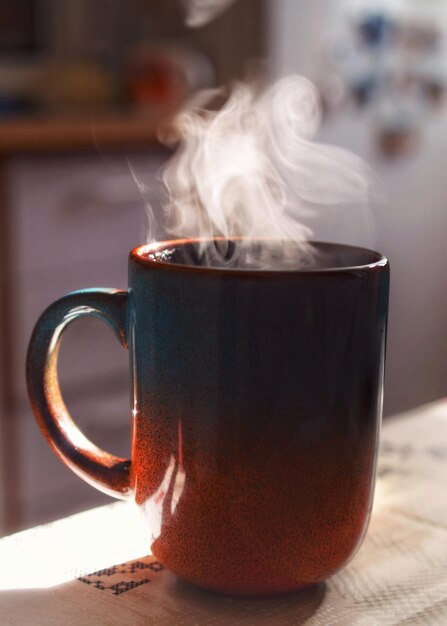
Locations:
{"points": [[247, 254]]}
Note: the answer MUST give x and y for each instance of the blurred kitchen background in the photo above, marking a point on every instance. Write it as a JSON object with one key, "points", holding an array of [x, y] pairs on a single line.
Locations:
{"points": [[84, 87]]}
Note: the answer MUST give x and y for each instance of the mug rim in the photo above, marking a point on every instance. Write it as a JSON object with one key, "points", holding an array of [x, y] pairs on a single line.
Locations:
{"points": [[136, 254]]}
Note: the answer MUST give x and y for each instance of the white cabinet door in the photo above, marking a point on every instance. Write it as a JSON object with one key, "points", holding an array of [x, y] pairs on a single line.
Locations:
{"points": [[73, 209], [74, 220]]}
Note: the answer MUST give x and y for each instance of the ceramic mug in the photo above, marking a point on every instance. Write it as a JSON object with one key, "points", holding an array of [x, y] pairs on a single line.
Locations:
{"points": [[256, 403]]}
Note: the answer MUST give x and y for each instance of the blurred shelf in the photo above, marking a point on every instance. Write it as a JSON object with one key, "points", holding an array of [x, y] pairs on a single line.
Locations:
{"points": [[97, 131]]}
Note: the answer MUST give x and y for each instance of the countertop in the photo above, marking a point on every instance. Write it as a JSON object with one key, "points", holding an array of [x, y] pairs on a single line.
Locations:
{"points": [[94, 568]]}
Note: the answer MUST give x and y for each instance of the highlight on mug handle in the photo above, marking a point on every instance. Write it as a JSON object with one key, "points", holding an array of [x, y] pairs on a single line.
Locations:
{"points": [[100, 469]]}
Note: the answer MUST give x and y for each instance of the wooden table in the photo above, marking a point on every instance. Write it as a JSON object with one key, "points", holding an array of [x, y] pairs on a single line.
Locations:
{"points": [[91, 568]]}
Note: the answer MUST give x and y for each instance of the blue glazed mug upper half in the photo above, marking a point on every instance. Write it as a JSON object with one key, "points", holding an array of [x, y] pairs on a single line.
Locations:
{"points": [[255, 409]]}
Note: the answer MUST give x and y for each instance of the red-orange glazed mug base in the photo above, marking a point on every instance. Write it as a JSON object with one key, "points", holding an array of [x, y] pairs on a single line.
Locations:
{"points": [[256, 403]]}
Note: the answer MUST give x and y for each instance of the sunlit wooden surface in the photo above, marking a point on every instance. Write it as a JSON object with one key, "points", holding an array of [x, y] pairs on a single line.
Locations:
{"points": [[93, 568]]}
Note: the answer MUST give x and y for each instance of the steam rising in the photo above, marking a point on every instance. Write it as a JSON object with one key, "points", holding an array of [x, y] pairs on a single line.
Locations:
{"points": [[200, 12], [251, 170]]}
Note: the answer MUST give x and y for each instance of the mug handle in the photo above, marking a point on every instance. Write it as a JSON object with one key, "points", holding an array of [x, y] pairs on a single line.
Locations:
{"points": [[102, 470]]}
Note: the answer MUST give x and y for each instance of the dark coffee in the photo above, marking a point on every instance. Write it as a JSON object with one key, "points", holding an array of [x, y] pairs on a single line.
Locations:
{"points": [[260, 254]]}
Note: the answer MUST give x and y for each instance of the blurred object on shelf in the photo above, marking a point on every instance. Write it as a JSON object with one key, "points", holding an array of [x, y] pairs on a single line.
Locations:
{"points": [[376, 30], [432, 74], [397, 135], [19, 26], [434, 89], [395, 141], [396, 56], [13, 106], [98, 56], [421, 36], [71, 87], [363, 89], [16, 97], [161, 77]]}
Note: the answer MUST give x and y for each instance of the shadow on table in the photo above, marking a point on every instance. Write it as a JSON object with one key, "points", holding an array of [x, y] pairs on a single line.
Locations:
{"points": [[298, 607]]}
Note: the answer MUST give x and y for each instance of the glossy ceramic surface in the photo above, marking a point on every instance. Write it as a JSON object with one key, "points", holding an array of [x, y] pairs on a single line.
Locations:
{"points": [[256, 406]]}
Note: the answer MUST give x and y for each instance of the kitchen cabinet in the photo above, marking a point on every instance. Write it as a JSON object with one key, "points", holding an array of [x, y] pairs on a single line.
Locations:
{"points": [[69, 213], [71, 222]]}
